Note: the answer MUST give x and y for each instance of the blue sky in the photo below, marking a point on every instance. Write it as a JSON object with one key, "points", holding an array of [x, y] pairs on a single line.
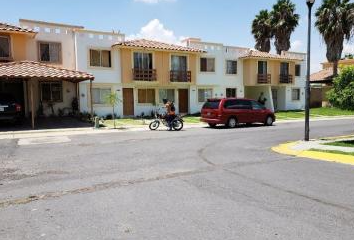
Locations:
{"points": [[224, 21]]}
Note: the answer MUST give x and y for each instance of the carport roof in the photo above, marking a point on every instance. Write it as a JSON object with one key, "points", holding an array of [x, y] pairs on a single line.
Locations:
{"points": [[36, 70], [4, 27]]}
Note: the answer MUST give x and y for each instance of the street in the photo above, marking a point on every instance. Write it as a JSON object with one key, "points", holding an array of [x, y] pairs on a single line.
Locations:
{"points": [[199, 183]]}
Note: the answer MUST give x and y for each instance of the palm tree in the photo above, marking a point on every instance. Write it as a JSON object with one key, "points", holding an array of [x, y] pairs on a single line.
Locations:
{"points": [[284, 20], [112, 99], [262, 31], [335, 20]]}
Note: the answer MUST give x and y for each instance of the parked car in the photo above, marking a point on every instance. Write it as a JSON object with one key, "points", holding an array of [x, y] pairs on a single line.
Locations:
{"points": [[10, 109], [233, 111]]}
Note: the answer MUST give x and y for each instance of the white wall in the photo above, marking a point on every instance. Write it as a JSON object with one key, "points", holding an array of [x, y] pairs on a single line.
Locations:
{"points": [[104, 77], [217, 80]]}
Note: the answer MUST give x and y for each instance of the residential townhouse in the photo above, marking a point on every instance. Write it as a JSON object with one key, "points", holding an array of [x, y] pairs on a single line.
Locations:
{"points": [[219, 71], [144, 72], [38, 69], [229, 71], [94, 54], [153, 71]]}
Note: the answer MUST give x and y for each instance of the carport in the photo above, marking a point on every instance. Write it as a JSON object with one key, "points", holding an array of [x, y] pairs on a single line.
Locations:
{"points": [[31, 73]]}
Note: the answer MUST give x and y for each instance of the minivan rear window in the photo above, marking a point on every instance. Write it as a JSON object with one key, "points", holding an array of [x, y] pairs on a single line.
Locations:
{"points": [[211, 105], [6, 97]]}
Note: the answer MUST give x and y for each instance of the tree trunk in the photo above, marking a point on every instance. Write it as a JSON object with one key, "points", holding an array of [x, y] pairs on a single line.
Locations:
{"points": [[335, 68], [114, 119]]}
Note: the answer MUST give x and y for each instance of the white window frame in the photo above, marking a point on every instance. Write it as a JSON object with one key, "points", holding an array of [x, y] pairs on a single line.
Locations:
{"points": [[10, 47], [292, 94], [100, 65], [231, 60], [50, 43], [200, 65], [102, 100], [205, 97], [167, 89]]}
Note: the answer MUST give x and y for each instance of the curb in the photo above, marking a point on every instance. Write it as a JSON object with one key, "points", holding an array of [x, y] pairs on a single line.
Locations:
{"points": [[285, 149]]}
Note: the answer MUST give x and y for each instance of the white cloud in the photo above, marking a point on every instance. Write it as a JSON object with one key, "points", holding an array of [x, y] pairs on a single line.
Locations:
{"points": [[348, 48], [153, 1], [297, 46], [155, 30]]}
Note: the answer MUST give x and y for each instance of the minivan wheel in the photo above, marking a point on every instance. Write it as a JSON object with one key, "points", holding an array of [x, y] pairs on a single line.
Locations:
{"points": [[212, 125], [232, 123], [269, 121]]}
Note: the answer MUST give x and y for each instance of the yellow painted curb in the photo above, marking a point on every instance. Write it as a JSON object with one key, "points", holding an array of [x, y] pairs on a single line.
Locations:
{"points": [[322, 156]]}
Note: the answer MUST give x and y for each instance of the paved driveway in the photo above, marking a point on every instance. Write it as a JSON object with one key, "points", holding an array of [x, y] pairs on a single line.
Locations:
{"points": [[195, 184]]}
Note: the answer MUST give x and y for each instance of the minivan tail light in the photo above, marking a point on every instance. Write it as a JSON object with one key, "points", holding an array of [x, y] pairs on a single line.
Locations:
{"points": [[18, 107]]}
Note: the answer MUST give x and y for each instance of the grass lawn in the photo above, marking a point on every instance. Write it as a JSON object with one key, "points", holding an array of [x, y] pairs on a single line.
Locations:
{"points": [[348, 143], [125, 121], [314, 112], [333, 151]]}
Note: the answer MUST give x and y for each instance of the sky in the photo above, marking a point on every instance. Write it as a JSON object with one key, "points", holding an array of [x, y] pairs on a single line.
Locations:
{"points": [[222, 21]]}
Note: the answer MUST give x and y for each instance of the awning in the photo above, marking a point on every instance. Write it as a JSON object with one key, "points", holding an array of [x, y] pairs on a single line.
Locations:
{"points": [[29, 70], [36, 70]]}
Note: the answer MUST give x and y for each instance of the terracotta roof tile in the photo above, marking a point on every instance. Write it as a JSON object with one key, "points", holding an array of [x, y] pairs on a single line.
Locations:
{"points": [[258, 54], [323, 75], [12, 28], [29, 69], [143, 43]]}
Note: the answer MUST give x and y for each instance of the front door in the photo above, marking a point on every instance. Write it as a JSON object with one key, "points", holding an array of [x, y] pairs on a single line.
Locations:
{"points": [[183, 103], [128, 102], [275, 98]]}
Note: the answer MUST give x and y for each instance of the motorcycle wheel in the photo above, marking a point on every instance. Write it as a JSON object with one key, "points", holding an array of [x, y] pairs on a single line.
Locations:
{"points": [[177, 125], [154, 125]]}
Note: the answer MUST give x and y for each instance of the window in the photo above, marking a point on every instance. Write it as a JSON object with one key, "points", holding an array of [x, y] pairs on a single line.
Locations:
{"points": [[284, 68], [166, 94], [237, 104], [257, 106], [231, 67], [179, 63], [204, 94], [50, 52], [262, 67], [99, 95], [146, 96], [5, 47], [207, 64], [297, 70], [295, 94], [51, 91], [100, 58], [142, 60], [231, 92]]}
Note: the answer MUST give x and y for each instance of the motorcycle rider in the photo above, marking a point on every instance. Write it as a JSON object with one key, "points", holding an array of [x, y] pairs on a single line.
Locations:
{"points": [[170, 112]]}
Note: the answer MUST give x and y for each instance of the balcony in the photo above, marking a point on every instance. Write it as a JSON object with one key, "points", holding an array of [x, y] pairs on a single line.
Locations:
{"points": [[285, 78], [148, 75], [263, 78], [180, 76]]}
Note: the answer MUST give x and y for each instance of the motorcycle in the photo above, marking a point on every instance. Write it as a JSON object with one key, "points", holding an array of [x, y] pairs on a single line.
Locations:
{"points": [[177, 122]]}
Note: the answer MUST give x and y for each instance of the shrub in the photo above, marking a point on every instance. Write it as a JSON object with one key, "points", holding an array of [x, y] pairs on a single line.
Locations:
{"points": [[342, 94]]}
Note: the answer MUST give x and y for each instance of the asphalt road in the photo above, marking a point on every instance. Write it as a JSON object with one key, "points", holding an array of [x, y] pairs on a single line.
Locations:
{"points": [[195, 184]]}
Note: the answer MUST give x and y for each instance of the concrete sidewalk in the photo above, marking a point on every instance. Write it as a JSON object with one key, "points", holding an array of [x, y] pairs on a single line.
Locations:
{"points": [[126, 128], [313, 150]]}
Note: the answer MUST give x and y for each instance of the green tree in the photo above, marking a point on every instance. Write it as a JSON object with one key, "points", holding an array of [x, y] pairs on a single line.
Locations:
{"points": [[342, 94], [262, 31], [335, 20], [284, 20], [113, 100]]}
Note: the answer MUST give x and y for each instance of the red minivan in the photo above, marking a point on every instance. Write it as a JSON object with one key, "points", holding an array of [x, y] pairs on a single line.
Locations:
{"points": [[232, 111]]}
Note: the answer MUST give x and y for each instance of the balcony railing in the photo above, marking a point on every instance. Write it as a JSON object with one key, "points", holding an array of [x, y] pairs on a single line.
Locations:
{"points": [[148, 75], [263, 78], [180, 76], [285, 78]]}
